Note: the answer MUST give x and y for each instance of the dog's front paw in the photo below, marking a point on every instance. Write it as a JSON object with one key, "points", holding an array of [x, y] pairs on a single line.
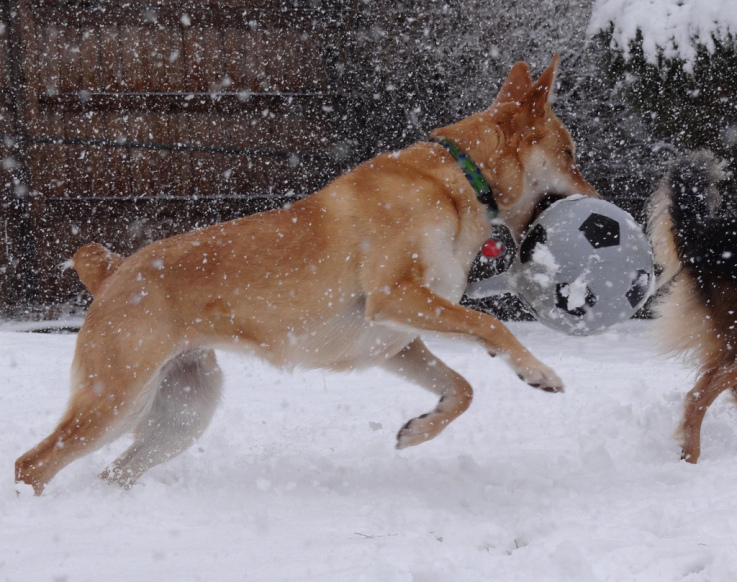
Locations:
{"points": [[692, 458], [25, 476], [420, 429], [542, 377], [690, 453], [690, 442]]}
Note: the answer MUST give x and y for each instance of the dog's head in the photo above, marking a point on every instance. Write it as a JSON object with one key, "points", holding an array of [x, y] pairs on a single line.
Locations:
{"points": [[525, 153]]}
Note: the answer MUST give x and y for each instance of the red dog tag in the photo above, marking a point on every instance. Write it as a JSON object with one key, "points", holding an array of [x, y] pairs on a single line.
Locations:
{"points": [[493, 248]]}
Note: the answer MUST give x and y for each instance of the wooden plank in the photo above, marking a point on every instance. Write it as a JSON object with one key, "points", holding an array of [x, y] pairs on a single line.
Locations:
{"points": [[117, 176], [51, 69], [229, 103], [47, 163], [306, 130], [4, 66], [169, 41], [6, 282], [89, 61], [250, 129], [164, 183], [106, 171], [193, 55], [70, 70], [214, 65], [6, 118], [181, 162], [257, 48], [285, 61], [143, 164], [86, 165], [311, 69], [234, 58], [97, 157], [206, 168], [220, 133], [203, 59], [133, 73], [32, 39], [199, 13], [148, 60], [111, 68]]}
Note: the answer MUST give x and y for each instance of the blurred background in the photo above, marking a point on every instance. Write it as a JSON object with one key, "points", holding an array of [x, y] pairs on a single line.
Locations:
{"points": [[125, 121]]}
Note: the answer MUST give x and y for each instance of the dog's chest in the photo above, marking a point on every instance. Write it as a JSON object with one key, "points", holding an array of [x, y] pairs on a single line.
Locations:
{"points": [[448, 259]]}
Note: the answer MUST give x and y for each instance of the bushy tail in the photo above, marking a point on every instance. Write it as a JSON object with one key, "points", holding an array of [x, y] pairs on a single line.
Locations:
{"points": [[704, 230], [692, 182], [94, 264]]}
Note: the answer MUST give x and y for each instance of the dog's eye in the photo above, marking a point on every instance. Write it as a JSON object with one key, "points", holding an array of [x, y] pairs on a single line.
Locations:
{"points": [[568, 152]]}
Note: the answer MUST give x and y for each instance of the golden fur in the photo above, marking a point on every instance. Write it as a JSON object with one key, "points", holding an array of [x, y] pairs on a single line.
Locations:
{"points": [[346, 278]]}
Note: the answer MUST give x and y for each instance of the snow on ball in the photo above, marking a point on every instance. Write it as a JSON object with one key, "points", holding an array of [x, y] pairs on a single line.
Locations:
{"points": [[584, 266]]}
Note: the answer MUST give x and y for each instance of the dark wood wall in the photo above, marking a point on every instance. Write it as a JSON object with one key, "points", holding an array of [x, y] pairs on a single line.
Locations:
{"points": [[125, 121]]}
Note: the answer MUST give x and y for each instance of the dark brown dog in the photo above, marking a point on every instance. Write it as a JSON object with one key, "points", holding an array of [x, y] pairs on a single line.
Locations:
{"points": [[694, 237]]}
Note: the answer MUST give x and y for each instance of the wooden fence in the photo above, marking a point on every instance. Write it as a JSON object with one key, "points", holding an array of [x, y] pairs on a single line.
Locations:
{"points": [[126, 121]]}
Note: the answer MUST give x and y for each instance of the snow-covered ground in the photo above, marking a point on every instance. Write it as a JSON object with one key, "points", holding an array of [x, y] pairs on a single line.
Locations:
{"points": [[297, 478]]}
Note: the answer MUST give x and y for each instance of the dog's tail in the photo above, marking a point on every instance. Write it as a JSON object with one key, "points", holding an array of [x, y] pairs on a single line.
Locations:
{"points": [[94, 263], [704, 230], [695, 199]]}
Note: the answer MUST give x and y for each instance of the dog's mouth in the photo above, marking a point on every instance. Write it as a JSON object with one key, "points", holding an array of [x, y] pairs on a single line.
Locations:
{"points": [[545, 202]]}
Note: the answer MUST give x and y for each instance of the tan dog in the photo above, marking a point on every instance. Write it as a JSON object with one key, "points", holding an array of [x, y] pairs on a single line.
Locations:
{"points": [[346, 278], [695, 240]]}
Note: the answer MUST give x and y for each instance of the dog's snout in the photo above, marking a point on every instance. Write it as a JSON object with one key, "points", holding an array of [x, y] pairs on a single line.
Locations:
{"points": [[545, 202]]}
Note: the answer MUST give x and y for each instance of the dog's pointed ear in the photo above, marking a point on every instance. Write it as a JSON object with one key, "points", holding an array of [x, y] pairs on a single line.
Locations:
{"points": [[516, 86], [537, 99]]}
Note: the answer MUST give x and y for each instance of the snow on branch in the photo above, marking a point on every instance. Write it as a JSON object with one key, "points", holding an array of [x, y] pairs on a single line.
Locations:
{"points": [[674, 27]]}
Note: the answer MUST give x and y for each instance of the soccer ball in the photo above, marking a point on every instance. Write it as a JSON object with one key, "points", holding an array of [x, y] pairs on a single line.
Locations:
{"points": [[584, 266]]}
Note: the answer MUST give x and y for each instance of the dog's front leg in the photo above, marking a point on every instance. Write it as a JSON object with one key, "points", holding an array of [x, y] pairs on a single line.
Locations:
{"points": [[408, 303], [416, 364]]}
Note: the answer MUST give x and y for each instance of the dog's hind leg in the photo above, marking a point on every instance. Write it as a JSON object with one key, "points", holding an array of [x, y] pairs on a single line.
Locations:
{"points": [[698, 400], [417, 364], [106, 401], [186, 399]]}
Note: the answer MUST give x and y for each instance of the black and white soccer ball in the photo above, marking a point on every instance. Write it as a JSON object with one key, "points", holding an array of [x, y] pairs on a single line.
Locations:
{"points": [[584, 266]]}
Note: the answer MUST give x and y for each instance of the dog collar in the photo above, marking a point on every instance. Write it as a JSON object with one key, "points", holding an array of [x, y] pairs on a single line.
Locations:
{"points": [[472, 172]]}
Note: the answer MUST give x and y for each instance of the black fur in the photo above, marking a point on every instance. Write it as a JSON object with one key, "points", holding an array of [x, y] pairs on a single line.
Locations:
{"points": [[705, 228]]}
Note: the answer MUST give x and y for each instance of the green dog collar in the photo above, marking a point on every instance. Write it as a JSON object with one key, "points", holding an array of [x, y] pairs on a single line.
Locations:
{"points": [[474, 177]]}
